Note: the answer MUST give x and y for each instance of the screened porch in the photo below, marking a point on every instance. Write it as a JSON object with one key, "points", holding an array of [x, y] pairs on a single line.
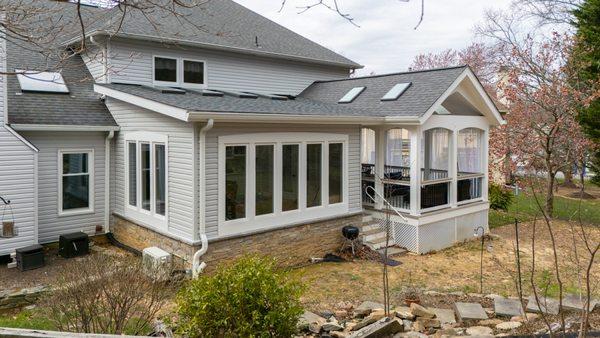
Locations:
{"points": [[420, 170]]}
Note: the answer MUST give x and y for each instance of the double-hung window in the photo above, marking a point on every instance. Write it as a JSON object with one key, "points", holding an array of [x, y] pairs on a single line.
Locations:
{"points": [[179, 72], [272, 179], [146, 175], [76, 178]]}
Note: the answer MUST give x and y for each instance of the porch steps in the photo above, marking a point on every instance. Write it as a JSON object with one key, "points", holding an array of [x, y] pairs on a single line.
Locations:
{"points": [[373, 236]]}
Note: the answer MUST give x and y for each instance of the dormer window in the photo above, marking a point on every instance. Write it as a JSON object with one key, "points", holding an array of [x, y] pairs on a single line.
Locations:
{"points": [[179, 72]]}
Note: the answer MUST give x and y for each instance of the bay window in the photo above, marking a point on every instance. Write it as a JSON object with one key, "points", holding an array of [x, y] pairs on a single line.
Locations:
{"points": [[146, 175], [271, 179], [75, 184]]}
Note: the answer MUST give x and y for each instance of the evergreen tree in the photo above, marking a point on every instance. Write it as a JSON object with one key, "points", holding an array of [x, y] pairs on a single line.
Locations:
{"points": [[587, 55]]}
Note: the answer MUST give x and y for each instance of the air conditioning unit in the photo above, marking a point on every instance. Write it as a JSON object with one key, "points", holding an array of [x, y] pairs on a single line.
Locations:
{"points": [[157, 263]]}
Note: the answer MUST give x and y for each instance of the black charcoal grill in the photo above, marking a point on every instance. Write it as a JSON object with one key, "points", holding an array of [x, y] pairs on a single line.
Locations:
{"points": [[350, 234]]}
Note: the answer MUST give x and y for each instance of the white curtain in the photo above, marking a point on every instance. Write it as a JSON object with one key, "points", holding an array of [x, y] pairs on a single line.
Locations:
{"points": [[367, 138], [470, 150], [437, 142], [397, 148]]}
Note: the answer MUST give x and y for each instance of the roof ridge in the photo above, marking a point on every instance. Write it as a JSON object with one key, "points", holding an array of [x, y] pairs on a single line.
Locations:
{"points": [[392, 74]]}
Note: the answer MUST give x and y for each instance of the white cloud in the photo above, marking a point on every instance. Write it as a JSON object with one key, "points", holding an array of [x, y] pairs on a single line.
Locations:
{"points": [[386, 40]]}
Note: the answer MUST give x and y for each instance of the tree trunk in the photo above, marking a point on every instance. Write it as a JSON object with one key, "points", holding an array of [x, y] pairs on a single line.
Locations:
{"points": [[568, 172], [550, 193]]}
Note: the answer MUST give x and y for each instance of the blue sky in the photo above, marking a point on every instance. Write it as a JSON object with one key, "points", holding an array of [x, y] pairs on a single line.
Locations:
{"points": [[386, 40]]}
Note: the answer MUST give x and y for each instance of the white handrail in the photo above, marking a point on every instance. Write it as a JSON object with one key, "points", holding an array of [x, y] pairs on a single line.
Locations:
{"points": [[385, 201]]}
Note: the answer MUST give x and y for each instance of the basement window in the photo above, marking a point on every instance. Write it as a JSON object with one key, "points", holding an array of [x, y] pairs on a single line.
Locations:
{"points": [[44, 82]]}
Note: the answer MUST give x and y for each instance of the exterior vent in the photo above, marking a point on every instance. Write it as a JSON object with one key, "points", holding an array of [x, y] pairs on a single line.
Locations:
{"points": [[208, 92], [396, 91], [241, 95], [170, 90], [352, 94]]}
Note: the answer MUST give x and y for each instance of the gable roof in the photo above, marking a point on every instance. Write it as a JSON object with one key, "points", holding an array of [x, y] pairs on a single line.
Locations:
{"points": [[80, 107], [222, 24], [426, 88]]}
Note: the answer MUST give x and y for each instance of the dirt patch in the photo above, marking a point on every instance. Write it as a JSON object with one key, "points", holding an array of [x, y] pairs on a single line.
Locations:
{"points": [[15, 279]]}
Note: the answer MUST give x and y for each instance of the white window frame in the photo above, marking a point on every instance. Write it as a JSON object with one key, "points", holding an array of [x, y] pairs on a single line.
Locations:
{"points": [[474, 175], [280, 218], [149, 217], [78, 211], [179, 73]]}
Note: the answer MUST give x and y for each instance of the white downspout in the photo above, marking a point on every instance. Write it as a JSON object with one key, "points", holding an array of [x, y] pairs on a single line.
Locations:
{"points": [[198, 266], [109, 137]]}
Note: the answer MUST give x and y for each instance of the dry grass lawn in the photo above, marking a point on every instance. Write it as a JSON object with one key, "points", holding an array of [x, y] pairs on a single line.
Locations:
{"points": [[457, 268]]}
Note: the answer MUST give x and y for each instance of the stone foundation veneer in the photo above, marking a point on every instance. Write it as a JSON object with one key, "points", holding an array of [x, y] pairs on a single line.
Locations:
{"points": [[290, 246]]}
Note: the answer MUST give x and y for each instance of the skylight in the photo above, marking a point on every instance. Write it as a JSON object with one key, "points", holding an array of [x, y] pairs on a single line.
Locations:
{"points": [[396, 91], [46, 82], [351, 95]]}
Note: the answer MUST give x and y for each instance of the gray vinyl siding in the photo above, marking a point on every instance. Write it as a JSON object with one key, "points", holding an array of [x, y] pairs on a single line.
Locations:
{"points": [[94, 59], [131, 62], [211, 166], [50, 224], [180, 162], [17, 177]]}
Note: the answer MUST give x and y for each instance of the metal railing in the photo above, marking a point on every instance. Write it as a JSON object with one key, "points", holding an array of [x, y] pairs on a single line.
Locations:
{"points": [[385, 202]]}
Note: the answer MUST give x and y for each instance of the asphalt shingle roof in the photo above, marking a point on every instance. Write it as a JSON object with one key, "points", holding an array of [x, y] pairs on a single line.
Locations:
{"points": [[195, 101], [82, 106], [427, 86]]}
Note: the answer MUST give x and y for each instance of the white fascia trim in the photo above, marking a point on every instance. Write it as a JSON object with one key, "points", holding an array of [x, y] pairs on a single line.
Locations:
{"points": [[144, 37], [21, 138], [178, 113], [58, 127], [289, 118], [467, 73]]}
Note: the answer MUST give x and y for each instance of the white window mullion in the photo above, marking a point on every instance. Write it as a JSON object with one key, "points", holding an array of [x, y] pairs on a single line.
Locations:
{"points": [[251, 181], [152, 180], [325, 174], [302, 177], [278, 178], [138, 171]]}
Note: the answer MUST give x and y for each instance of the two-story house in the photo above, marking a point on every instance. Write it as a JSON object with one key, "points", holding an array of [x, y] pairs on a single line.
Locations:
{"points": [[225, 144]]}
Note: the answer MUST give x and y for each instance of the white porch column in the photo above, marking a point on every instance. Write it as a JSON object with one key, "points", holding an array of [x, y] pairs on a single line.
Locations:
{"points": [[380, 150], [453, 167], [485, 163], [415, 170]]}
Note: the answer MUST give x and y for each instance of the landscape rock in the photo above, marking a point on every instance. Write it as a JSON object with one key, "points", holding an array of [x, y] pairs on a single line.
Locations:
{"points": [[404, 312], [507, 307], [408, 325], [432, 293], [366, 307], [445, 316], [445, 333], [311, 322], [490, 322], [546, 305], [530, 316], [573, 302], [420, 311], [482, 331], [428, 323], [492, 296], [475, 295], [332, 326], [338, 334], [469, 311], [365, 322], [382, 328], [411, 334], [457, 293], [508, 325], [326, 314], [340, 313]]}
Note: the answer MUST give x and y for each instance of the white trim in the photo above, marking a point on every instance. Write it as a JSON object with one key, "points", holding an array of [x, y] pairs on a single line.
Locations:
{"points": [[61, 127], [279, 218], [178, 113], [21, 138], [91, 181], [179, 73], [136, 212], [107, 144]]}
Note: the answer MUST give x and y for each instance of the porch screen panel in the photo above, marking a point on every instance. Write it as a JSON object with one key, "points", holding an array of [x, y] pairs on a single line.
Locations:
{"points": [[132, 174], [235, 182], [469, 151], [160, 178], [313, 175], [436, 154], [145, 162], [289, 198], [336, 154], [264, 179], [367, 149], [397, 148]]}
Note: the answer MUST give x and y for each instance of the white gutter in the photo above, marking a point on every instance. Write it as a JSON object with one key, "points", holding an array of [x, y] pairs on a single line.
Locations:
{"points": [[198, 266], [289, 118], [53, 127], [109, 137]]}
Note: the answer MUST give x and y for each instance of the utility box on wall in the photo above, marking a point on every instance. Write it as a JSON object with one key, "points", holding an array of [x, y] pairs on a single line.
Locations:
{"points": [[73, 245]]}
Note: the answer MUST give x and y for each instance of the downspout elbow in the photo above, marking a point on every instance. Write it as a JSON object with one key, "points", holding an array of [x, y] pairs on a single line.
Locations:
{"points": [[197, 265]]}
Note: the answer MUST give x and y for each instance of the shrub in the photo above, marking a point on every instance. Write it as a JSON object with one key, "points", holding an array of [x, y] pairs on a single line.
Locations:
{"points": [[250, 298], [500, 198], [106, 294]]}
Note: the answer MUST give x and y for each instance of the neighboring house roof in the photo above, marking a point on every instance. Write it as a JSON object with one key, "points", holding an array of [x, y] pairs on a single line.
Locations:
{"points": [[82, 106], [222, 24], [194, 101], [426, 88]]}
